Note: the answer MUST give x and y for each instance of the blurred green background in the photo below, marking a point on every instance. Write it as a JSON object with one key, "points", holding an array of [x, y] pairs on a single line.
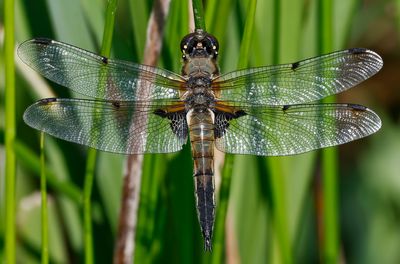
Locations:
{"points": [[168, 231]]}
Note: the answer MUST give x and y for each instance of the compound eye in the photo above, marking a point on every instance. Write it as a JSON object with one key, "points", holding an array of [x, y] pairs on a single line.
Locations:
{"points": [[208, 46], [187, 45], [183, 45], [185, 42], [215, 44], [212, 45]]}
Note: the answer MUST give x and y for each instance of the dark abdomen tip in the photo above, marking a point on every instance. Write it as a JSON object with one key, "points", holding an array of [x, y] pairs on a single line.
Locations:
{"points": [[207, 244]]}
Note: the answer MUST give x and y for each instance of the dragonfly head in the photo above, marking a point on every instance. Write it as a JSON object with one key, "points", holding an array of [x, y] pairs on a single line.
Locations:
{"points": [[199, 44]]}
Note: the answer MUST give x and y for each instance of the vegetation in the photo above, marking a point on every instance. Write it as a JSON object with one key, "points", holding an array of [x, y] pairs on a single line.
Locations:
{"points": [[275, 207]]}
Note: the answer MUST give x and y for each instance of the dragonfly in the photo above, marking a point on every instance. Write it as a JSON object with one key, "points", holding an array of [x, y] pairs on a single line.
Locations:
{"points": [[135, 109]]}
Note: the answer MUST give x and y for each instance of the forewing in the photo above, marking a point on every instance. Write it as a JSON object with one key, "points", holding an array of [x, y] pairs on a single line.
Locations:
{"points": [[84, 72], [288, 130], [120, 127], [300, 82]]}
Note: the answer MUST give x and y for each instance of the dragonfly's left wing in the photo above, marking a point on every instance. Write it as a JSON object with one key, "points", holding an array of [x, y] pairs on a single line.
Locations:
{"points": [[300, 82], [288, 130], [96, 76], [120, 127]]}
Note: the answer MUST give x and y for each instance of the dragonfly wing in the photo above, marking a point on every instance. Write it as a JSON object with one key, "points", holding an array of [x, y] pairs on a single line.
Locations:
{"points": [[84, 72], [301, 82], [288, 130], [120, 127]]}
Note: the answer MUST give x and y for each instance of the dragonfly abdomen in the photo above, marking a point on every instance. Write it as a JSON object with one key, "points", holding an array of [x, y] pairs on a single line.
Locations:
{"points": [[201, 127]]}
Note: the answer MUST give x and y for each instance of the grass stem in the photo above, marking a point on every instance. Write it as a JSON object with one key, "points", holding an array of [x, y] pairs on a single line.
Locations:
{"points": [[223, 200], [43, 191], [10, 132], [198, 14], [92, 153], [280, 221], [330, 246]]}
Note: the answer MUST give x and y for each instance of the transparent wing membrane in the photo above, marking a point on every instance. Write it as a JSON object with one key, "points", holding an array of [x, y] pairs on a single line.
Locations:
{"points": [[84, 72], [301, 82], [120, 127], [288, 130]]}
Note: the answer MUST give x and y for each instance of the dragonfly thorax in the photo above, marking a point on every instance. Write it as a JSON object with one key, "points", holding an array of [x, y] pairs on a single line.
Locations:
{"points": [[199, 92], [202, 81], [205, 67], [201, 99]]}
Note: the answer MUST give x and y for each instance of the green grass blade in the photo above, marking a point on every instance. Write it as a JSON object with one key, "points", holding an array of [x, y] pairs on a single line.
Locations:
{"points": [[198, 14], [279, 215], [139, 17], [93, 12], [10, 132], [43, 191], [222, 208], [92, 153], [217, 26], [247, 35], [219, 235], [31, 161], [274, 167], [87, 206], [109, 27], [330, 246], [146, 232], [71, 11]]}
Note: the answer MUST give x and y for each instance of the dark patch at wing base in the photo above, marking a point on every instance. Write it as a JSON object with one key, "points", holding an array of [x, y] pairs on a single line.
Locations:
{"points": [[222, 121], [178, 119]]}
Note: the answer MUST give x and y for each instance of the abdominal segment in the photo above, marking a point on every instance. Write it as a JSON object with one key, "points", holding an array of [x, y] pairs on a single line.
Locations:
{"points": [[201, 129]]}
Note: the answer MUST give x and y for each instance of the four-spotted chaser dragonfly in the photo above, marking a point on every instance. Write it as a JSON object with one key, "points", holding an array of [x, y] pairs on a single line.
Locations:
{"points": [[266, 111]]}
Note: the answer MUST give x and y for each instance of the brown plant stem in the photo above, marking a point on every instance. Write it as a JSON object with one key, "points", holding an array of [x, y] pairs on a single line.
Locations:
{"points": [[125, 247]]}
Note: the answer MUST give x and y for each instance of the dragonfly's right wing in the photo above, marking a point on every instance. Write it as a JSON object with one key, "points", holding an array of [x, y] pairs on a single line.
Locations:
{"points": [[292, 129], [85, 72], [120, 127]]}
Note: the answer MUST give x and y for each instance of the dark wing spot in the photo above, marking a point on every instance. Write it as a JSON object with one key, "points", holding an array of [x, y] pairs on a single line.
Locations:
{"points": [[104, 60], [116, 104], [295, 65], [43, 41], [285, 107], [46, 101], [356, 107], [357, 50]]}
